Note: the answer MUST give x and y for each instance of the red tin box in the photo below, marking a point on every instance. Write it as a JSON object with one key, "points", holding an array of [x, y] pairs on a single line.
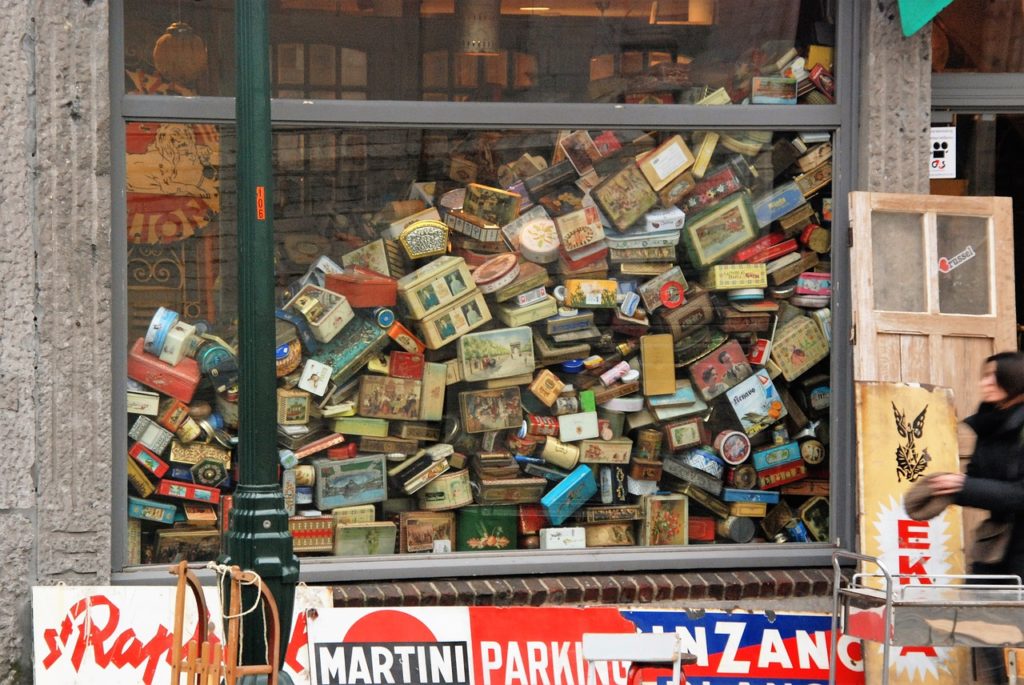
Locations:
{"points": [[532, 518], [179, 381], [701, 529], [190, 491], [405, 365], [363, 287]]}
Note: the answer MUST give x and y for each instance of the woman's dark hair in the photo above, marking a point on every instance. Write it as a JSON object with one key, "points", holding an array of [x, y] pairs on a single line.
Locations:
{"points": [[1009, 371]]}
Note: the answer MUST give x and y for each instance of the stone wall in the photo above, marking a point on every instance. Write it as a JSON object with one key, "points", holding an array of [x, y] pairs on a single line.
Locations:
{"points": [[55, 317], [895, 103]]}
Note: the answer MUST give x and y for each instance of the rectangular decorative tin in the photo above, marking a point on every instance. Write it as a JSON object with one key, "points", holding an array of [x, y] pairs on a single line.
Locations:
{"points": [[347, 482], [570, 494], [434, 285], [365, 539], [447, 324], [496, 354]]}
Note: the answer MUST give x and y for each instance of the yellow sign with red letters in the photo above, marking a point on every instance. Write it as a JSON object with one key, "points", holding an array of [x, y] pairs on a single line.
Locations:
{"points": [[905, 432]]}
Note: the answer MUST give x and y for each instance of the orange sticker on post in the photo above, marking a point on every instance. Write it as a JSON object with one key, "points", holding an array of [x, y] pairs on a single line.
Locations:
{"points": [[261, 203]]}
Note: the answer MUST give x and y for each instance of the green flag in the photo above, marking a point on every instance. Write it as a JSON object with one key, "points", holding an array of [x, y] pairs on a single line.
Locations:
{"points": [[916, 13]]}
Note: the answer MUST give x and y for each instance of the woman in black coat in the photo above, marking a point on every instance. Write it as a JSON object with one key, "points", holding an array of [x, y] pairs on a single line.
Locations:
{"points": [[995, 476]]}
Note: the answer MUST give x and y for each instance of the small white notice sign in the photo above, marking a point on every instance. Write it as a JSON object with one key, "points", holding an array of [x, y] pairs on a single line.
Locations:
{"points": [[942, 154]]}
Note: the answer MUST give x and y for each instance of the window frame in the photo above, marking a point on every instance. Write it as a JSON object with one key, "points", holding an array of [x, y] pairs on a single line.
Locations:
{"points": [[839, 119]]}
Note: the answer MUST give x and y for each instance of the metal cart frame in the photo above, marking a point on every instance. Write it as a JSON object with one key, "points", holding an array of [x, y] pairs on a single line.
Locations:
{"points": [[931, 610]]}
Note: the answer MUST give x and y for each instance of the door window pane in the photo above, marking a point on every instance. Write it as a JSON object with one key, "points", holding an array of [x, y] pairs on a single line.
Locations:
{"points": [[964, 273], [680, 268], [897, 253]]}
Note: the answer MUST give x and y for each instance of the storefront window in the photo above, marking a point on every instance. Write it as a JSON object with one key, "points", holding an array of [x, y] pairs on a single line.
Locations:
{"points": [[663, 52], [490, 339]]}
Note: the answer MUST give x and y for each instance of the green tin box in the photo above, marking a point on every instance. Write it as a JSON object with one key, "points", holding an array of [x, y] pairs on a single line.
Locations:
{"points": [[487, 527]]}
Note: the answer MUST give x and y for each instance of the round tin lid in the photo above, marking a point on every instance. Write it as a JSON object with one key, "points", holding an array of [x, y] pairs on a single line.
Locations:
{"points": [[746, 294], [572, 365], [672, 294], [782, 292], [501, 269], [538, 241], [733, 446]]}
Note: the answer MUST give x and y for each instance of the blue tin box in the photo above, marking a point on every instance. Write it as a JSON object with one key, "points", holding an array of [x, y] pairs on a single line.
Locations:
{"points": [[777, 203], [777, 455], [570, 494], [737, 495]]}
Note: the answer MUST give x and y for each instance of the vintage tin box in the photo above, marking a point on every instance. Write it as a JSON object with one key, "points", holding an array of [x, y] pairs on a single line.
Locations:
{"points": [[614, 451], [579, 229], [150, 434], [735, 276], [418, 530], [781, 475], [385, 397], [486, 527], [364, 288], [352, 348], [756, 403], [448, 491], [513, 315], [777, 203], [326, 312], [610, 534], [450, 322], [361, 513], [137, 478], [658, 364], [311, 533], [624, 196], [491, 410], [798, 345], [190, 491], [563, 538], [570, 494], [664, 520], [508, 490], [178, 381], [496, 354], [365, 539], [348, 482], [721, 369], [666, 162], [494, 205], [433, 286]]}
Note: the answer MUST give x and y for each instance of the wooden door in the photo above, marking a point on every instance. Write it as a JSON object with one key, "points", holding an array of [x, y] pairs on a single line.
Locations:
{"points": [[933, 291], [933, 295]]}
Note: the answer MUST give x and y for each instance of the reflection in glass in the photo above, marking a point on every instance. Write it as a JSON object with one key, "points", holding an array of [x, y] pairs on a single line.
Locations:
{"points": [[665, 52]]}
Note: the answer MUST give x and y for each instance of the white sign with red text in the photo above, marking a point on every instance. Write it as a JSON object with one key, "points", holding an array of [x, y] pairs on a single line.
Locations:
{"points": [[122, 635]]}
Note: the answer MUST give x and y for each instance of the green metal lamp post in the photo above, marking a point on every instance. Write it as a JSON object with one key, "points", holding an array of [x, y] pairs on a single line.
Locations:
{"points": [[258, 538]]}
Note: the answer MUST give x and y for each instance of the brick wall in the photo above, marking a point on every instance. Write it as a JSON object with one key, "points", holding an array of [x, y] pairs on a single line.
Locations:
{"points": [[752, 588]]}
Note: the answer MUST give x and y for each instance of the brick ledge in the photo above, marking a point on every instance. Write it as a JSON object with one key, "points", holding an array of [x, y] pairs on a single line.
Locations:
{"points": [[639, 588]]}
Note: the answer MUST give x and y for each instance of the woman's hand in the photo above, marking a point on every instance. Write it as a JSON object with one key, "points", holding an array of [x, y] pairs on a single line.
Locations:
{"points": [[947, 483]]}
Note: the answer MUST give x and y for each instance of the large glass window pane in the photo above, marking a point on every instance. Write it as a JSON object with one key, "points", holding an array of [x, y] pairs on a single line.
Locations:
{"points": [[979, 36], [665, 52], [599, 337]]}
